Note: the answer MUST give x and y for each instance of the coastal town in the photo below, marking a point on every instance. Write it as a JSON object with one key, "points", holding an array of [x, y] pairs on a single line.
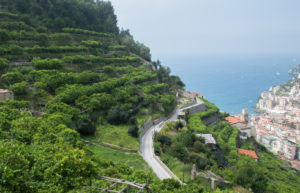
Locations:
{"points": [[276, 124]]}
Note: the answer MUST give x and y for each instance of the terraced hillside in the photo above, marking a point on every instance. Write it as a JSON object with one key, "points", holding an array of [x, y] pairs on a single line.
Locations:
{"points": [[80, 80], [93, 73]]}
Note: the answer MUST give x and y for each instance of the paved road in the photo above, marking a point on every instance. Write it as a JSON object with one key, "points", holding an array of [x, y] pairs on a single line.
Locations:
{"points": [[148, 153], [147, 146]]}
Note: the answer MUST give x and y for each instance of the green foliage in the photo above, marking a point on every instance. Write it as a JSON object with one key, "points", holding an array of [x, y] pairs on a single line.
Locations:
{"points": [[199, 147], [15, 26], [91, 44], [8, 14], [250, 177], [86, 32], [168, 102], [187, 138], [133, 160], [212, 109], [165, 140], [61, 39], [196, 124], [14, 167], [19, 89], [97, 102], [42, 39], [47, 63], [12, 49], [135, 47], [118, 48], [24, 128], [4, 36], [62, 108], [72, 67], [118, 116], [157, 149], [3, 65], [86, 127], [179, 151], [36, 155], [133, 131], [98, 16], [55, 49]]}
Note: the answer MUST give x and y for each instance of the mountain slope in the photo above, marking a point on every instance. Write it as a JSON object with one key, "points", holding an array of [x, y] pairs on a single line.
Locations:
{"points": [[69, 78], [75, 76]]}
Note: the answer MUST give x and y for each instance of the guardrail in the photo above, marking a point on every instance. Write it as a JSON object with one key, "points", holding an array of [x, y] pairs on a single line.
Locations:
{"points": [[188, 105]]}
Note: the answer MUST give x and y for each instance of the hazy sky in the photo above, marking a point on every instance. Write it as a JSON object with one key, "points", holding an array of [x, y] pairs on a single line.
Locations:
{"points": [[212, 26]]}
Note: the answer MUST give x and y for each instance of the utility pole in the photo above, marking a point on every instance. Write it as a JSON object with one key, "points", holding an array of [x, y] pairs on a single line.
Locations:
{"points": [[183, 173]]}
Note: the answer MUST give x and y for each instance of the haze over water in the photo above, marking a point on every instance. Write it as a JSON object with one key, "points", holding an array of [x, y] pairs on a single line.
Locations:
{"points": [[231, 82]]}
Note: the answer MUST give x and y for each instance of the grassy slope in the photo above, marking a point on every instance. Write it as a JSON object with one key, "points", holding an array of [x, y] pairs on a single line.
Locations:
{"points": [[180, 169], [118, 135], [133, 160]]}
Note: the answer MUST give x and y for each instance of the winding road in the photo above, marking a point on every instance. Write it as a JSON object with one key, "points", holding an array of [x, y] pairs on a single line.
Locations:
{"points": [[147, 151]]}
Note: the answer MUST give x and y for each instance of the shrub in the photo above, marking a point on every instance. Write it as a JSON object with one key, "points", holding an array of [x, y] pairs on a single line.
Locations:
{"points": [[157, 149], [219, 157], [42, 39], [179, 151], [133, 120], [92, 44], [118, 48], [15, 50], [187, 138], [11, 78], [4, 36], [178, 125], [3, 64], [199, 147], [47, 63], [202, 163], [61, 39], [69, 136], [87, 32], [170, 184], [118, 116], [19, 89], [164, 140], [86, 127], [133, 131]]}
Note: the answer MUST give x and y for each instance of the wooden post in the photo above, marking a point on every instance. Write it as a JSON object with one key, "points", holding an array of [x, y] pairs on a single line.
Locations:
{"points": [[90, 185], [213, 184], [194, 172], [148, 186], [183, 173]]}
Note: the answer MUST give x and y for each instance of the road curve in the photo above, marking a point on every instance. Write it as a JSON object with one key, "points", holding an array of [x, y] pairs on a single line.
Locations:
{"points": [[147, 151]]}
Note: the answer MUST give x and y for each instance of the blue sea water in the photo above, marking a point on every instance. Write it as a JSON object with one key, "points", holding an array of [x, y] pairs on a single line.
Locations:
{"points": [[232, 82]]}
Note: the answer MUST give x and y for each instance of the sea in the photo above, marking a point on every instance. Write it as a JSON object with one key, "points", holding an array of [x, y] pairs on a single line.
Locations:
{"points": [[232, 82]]}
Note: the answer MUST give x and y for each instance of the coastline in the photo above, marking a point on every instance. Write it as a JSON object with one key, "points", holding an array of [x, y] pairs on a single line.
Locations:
{"points": [[276, 125], [231, 82]]}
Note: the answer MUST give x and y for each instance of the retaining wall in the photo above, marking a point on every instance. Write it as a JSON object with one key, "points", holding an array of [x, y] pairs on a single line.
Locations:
{"points": [[197, 109], [188, 105]]}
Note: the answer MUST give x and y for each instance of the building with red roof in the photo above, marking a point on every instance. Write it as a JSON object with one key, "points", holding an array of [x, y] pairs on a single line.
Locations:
{"points": [[234, 120], [247, 152]]}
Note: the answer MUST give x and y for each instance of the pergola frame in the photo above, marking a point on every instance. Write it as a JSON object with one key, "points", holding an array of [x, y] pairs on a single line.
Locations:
{"points": [[111, 188]]}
